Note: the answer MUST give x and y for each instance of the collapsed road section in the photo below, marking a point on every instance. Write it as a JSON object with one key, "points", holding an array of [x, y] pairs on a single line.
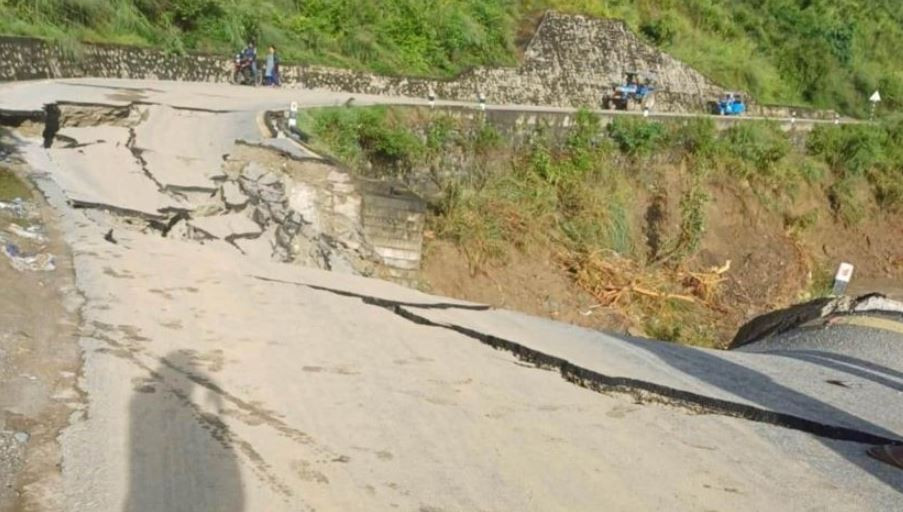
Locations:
{"points": [[228, 362]]}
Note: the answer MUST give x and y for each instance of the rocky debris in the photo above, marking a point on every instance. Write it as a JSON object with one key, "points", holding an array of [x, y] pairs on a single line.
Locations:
{"points": [[227, 227], [297, 232], [260, 248], [780, 321], [232, 196]]}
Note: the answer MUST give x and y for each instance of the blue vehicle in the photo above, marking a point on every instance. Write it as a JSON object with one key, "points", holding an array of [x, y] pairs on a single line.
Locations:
{"points": [[632, 92], [731, 104]]}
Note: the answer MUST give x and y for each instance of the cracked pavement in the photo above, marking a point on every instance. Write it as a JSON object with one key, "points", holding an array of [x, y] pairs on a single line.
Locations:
{"points": [[219, 379]]}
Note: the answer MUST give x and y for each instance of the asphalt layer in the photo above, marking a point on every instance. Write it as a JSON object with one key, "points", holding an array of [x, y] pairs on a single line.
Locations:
{"points": [[218, 381]]}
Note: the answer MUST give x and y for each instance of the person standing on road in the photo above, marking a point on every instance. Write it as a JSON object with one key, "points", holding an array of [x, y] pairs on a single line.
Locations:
{"points": [[271, 71]]}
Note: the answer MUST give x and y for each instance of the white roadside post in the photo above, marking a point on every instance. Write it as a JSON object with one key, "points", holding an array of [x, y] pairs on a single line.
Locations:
{"points": [[482, 100], [836, 118], [431, 96], [842, 278], [875, 98], [293, 116]]}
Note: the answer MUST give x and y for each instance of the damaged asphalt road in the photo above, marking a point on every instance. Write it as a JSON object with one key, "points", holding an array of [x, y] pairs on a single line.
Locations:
{"points": [[219, 373]]}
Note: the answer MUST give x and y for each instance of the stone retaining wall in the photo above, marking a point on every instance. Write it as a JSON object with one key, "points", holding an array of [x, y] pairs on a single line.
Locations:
{"points": [[29, 59], [571, 61]]}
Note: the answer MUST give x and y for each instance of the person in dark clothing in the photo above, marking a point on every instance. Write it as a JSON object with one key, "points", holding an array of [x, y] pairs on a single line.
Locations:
{"points": [[250, 54]]}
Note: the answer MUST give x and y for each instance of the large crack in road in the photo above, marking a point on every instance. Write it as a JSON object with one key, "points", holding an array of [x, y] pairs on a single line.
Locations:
{"points": [[641, 391], [356, 394]]}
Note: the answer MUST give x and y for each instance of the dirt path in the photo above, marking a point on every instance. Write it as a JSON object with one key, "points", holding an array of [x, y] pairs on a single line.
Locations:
{"points": [[39, 357]]}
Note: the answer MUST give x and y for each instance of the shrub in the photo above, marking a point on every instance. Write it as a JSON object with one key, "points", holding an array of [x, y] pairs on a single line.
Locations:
{"points": [[888, 185], [845, 203], [636, 137], [850, 150], [697, 137], [583, 139], [362, 136], [659, 31], [756, 147]]}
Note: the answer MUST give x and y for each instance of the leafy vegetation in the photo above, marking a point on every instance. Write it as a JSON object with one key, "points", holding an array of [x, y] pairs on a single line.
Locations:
{"points": [[11, 187], [400, 36], [824, 53], [574, 192], [861, 155]]}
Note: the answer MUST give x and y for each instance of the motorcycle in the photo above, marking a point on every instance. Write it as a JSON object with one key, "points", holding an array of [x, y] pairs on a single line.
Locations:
{"points": [[243, 72]]}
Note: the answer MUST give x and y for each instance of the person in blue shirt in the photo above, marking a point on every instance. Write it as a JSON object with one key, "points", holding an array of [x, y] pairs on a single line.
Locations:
{"points": [[271, 71]]}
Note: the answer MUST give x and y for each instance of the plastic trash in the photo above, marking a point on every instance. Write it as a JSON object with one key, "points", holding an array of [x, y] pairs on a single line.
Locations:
{"points": [[29, 233], [17, 207], [20, 261]]}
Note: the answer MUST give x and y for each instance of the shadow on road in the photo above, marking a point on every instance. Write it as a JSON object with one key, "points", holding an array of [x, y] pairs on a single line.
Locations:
{"points": [[180, 457], [760, 389]]}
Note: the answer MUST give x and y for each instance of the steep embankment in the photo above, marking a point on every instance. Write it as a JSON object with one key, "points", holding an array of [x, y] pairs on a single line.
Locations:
{"points": [[676, 231], [827, 54]]}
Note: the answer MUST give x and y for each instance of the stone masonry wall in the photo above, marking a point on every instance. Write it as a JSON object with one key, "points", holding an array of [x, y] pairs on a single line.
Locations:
{"points": [[571, 61], [30, 59]]}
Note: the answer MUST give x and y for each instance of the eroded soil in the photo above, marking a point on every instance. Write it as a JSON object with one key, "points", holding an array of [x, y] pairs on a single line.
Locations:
{"points": [[773, 263], [39, 357]]}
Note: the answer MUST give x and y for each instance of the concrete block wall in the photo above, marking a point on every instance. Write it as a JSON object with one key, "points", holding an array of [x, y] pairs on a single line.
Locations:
{"points": [[393, 222]]}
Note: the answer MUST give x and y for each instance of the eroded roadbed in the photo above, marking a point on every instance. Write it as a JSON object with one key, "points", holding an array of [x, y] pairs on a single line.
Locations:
{"points": [[221, 375]]}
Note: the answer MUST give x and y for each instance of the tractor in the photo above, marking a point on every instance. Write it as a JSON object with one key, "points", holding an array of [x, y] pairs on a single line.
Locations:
{"points": [[731, 104], [633, 94]]}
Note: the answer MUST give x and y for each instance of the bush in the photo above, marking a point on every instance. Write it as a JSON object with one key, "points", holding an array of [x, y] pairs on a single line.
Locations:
{"points": [[659, 31], [850, 150], [696, 137], [845, 203], [756, 147], [636, 137], [365, 137], [888, 185]]}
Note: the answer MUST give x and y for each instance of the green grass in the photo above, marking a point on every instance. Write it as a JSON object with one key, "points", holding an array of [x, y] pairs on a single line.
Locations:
{"points": [[11, 186], [822, 53], [576, 193], [419, 37]]}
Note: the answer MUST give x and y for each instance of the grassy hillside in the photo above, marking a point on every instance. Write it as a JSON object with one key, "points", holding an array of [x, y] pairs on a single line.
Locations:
{"points": [[826, 53], [641, 219]]}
